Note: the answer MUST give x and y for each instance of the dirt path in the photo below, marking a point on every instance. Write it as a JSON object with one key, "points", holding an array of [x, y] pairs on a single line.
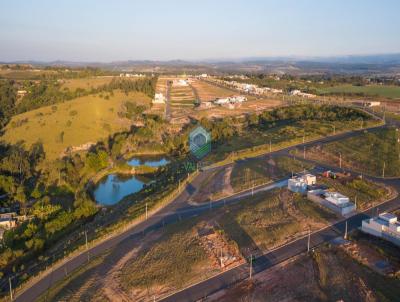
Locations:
{"points": [[227, 187], [111, 284]]}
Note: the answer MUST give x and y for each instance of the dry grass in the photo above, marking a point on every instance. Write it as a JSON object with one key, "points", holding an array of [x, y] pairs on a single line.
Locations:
{"points": [[82, 120], [86, 83]]}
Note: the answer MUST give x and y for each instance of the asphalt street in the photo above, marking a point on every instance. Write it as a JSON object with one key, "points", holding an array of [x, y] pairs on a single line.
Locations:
{"points": [[180, 209]]}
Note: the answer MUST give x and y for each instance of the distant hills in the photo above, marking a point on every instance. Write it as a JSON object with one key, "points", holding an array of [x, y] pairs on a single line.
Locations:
{"points": [[352, 64]]}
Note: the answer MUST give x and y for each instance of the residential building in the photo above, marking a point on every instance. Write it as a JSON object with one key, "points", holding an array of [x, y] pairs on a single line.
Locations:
{"points": [[384, 226], [297, 92], [221, 101], [8, 222], [180, 83], [230, 100], [310, 179], [334, 201], [159, 98], [297, 185]]}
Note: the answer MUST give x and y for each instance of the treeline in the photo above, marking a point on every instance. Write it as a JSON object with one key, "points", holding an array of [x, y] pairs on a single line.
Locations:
{"points": [[54, 208], [8, 97], [309, 112], [50, 92]]}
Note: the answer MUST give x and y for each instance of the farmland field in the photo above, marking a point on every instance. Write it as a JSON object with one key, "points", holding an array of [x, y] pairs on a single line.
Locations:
{"points": [[86, 83], [25, 74], [392, 92], [209, 92], [182, 99], [73, 123]]}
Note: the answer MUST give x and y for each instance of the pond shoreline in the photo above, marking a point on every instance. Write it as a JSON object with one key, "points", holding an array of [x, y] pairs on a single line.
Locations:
{"points": [[113, 184]]}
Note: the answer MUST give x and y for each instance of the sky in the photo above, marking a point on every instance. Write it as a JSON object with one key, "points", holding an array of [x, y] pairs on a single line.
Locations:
{"points": [[105, 30]]}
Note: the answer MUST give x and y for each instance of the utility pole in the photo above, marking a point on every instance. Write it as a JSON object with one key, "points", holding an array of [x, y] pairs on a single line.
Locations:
{"points": [[309, 240], [383, 170], [251, 266], [345, 231], [340, 160], [304, 152], [146, 211], [11, 290], [355, 201], [87, 246]]}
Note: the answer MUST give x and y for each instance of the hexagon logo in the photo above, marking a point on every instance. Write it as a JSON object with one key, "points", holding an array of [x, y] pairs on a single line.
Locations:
{"points": [[199, 142]]}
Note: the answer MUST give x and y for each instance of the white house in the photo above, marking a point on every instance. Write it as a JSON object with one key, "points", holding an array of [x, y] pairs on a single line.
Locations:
{"points": [[302, 94], [310, 179], [385, 226], [222, 101], [334, 201], [180, 83], [237, 99], [336, 198], [297, 185], [159, 98]]}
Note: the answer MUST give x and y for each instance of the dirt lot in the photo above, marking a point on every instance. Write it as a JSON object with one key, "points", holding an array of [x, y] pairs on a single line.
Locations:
{"points": [[328, 275]]}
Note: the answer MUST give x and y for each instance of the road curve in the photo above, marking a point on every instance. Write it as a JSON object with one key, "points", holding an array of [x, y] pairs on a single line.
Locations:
{"points": [[176, 210]]}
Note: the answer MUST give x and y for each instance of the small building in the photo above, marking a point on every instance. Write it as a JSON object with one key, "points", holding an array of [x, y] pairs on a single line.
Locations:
{"points": [[7, 223], [334, 201], [21, 93], [237, 99], [372, 104], [384, 226], [180, 83], [297, 185], [310, 179], [159, 98], [222, 101]]}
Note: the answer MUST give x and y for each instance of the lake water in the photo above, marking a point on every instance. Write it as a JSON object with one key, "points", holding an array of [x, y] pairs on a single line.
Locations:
{"points": [[114, 187]]}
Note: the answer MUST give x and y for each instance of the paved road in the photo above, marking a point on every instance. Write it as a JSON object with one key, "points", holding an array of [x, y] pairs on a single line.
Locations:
{"points": [[276, 256], [168, 101], [269, 259], [176, 210]]}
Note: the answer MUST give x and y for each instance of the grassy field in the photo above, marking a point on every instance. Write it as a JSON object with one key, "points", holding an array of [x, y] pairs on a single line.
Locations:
{"points": [[25, 74], [85, 83], [73, 123], [370, 152], [170, 261], [268, 219], [392, 92], [253, 172], [253, 142], [366, 192]]}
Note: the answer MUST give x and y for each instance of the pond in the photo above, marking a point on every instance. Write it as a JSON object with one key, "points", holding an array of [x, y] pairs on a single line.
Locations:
{"points": [[113, 188]]}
